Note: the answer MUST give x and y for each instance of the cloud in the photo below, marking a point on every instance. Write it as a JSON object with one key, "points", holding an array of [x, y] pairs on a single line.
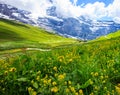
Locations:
{"points": [[113, 9], [94, 11], [75, 2], [116, 19], [37, 7], [65, 8]]}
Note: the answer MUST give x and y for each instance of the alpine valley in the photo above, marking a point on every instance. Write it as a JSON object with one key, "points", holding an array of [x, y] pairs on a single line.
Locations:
{"points": [[55, 55], [79, 27]]}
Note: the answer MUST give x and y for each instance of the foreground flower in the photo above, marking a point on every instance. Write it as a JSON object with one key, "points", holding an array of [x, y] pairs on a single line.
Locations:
{"points": [[54, 83], [29, 89], [13, 69], [54, 89], [61, 76], [117, 90], [6, 72], [55, 68], [67, 90], [34, 93], [72, 89], [81, 92]]}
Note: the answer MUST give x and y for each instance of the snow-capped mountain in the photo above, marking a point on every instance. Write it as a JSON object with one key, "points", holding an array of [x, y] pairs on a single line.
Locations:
{"points": [[80, 27], [10, 12]]}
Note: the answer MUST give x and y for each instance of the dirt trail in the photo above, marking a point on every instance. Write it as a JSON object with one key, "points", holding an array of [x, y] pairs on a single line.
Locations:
{"points": [[11, 52]]}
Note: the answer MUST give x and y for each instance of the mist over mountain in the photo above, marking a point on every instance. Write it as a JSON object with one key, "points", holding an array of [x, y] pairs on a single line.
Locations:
{"points": [[68, 24]]}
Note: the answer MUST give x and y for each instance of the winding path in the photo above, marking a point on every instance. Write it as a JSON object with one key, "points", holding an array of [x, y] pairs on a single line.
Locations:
{"points": [[3, 54]]}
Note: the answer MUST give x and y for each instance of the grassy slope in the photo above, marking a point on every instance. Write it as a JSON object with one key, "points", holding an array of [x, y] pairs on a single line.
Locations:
{"points": [[109, 36], [91, 68], [17, 34]]}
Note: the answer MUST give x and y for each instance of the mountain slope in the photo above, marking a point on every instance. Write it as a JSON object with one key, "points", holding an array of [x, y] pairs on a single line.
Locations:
{"points": [[109, 36], [12, 31], [79, 27]]}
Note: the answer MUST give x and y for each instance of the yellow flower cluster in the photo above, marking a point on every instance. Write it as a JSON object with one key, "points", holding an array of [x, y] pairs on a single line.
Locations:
{"points": [[61, 76], [81, 92], [117, 88], [54, 89], [31, 91], [54, 83], [13, 69], [61, 58]]}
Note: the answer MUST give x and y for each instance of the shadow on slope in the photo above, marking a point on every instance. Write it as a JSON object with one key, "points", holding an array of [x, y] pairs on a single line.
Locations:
{"points": [[8, 35], [13, 23]]}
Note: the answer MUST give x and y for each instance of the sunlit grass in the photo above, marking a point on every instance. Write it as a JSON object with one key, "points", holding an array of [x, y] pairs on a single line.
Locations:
{"points": [[17, 35], [87, 69]]}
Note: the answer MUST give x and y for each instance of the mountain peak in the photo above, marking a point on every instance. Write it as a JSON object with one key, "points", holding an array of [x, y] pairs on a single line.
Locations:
{"points": [[79, 27]]}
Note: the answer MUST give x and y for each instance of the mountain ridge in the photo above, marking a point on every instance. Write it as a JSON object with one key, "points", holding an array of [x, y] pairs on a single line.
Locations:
{"points": [[80, 28]]}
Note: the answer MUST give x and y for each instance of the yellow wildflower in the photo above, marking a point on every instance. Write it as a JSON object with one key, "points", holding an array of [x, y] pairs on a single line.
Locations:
{"points": [[54, 83], [96, 88], [38, 78], [55, 68], [54, 89], [81, 92], [39, 72], [108, 93], [67, 90], [92, 73], [106, 77], [61, 76], [49, 81], [69, 82], [96, 74], [76, 93], [91, 82], [12, 69], [103, 81], [29, 89], [56, 75], [34, 93], [32, 81], [70, 60], [118, 85], [61, 58], [105, 88], [65, 83], [117, 90], [45, 81], [72, 89], [6, 72], [101, 77]]}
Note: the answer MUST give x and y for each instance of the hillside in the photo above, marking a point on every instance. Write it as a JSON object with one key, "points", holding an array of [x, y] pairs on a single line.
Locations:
{"points": [[87, 69], [17, 34], [109, 36]]}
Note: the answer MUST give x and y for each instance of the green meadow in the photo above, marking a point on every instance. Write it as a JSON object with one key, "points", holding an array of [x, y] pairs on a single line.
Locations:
{"points": [[64, 66], [17, 35]]}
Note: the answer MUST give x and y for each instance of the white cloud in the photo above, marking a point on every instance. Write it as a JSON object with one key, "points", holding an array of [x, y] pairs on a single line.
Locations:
{"points": [[75, 2], [65, 8], [116, 19], [37, 7], [113, 9]]}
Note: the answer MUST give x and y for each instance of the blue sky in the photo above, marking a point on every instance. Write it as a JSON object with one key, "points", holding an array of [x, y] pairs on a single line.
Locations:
{"points": [[79, 2]]}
